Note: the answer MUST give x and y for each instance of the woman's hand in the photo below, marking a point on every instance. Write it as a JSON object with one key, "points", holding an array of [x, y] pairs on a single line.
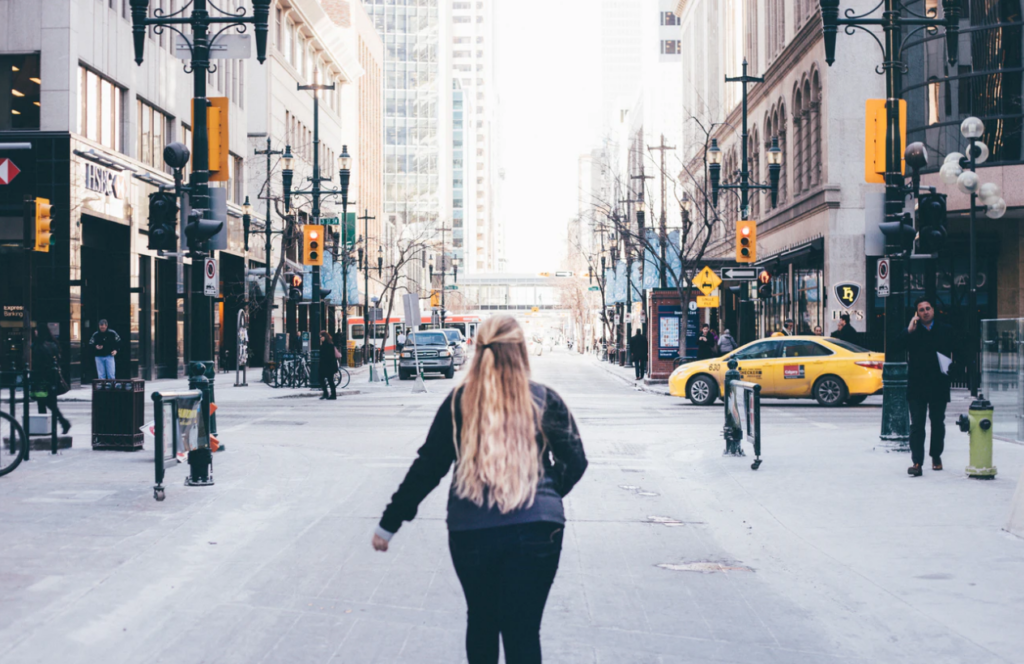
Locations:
{"points": [[379, 543]]}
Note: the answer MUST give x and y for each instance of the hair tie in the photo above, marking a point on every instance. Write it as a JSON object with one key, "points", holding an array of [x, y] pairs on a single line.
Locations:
{"points": [[485, 346]]}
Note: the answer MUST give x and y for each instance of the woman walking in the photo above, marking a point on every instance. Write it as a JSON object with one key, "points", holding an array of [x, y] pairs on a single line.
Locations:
{"points": [[328, 365], [517, 453], [47, 381]]}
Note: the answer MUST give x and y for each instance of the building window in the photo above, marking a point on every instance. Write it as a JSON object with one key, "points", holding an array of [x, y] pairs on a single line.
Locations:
{"points": [[671, 46], [99, 116], [19, 76], [669, 18], [154, 133], [236, 185], [461, 19]]}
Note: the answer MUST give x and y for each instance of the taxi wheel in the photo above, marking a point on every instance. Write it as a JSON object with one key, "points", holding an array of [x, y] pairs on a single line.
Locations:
{"points": [[702, 390], [830, 391]]}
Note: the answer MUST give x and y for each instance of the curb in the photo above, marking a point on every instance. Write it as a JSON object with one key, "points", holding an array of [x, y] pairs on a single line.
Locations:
{"points": [[639, 387]]}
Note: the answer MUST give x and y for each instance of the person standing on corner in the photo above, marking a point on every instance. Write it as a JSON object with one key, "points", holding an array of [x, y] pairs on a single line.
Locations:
{"points": [[517, 452], [705, 343], [328, 365], [726, 343], [104, 344], [845, 331], [929, 344], [400, 341], [638, 351]]}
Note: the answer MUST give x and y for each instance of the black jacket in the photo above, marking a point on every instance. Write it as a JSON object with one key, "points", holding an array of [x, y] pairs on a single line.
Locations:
{"points": [[564, 462], [638, 347], [109, 340], [705, 346], [847, 334], [328, 362], [925, 380], [45, 364]]}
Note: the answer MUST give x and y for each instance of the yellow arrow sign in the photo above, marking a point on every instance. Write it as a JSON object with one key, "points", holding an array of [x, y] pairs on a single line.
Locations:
{"points": [[707, 281]]}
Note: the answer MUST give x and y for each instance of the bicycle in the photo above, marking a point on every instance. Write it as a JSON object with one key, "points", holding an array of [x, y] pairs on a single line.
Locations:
{"points": [[341, 378], [13, 443]]}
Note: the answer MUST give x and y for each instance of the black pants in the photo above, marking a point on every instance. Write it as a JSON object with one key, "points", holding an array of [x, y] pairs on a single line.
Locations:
{"points": [[934, 410], [50, 402], [640, 367], [327, 379], [506, 573]]}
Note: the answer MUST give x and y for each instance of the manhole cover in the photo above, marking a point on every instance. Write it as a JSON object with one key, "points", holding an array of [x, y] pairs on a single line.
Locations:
{"points": [[704, 567]]}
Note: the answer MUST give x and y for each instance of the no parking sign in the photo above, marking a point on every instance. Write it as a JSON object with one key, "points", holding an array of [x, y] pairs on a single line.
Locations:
{"points": [[211, 284]]}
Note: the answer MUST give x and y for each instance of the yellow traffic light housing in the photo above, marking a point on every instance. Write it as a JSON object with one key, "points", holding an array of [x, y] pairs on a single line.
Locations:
{"points": [[217, 137], [312, 244], [42, 225], [435, 298], [875, 126], [746, 241]]}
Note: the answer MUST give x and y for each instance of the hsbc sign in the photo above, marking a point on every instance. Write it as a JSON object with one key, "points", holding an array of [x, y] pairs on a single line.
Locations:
{"points": [[104, 182], [8, 171]]}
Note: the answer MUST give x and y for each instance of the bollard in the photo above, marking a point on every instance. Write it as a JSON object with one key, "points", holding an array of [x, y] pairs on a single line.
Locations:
{"points": [[158, 447], [200, 461], [732, 431], [978, 424]]}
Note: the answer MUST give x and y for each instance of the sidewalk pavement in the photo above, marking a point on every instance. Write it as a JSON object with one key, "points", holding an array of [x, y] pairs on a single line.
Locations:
{"points": [[628, 376]]}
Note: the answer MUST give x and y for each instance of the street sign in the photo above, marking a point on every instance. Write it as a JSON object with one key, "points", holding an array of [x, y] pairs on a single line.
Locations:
{"points": [[847, 293], [211, 284], [330, 221], [882, 278], [563, 274], [8, 171], [226, 47], [739, 273], [452, 287], [707, 281], [707, 301], [594, 288]]}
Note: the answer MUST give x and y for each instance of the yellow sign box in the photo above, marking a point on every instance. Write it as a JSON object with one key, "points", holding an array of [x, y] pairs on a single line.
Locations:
{"points": [[216, 136], [875, 126], [707, 302], [707, 281]]}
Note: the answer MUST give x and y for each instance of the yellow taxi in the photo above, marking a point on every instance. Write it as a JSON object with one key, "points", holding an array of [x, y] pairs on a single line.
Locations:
{"points": [[829, 370]]}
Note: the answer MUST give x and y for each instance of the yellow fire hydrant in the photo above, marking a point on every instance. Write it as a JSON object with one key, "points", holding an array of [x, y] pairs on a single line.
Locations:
{"points": [[978, 423]]}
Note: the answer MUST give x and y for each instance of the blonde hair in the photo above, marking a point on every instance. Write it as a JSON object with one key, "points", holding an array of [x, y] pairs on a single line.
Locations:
{"points": [[498, 460]]}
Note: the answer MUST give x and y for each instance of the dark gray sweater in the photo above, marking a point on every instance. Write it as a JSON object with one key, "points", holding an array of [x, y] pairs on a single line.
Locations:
{"points": [[564, 462]]}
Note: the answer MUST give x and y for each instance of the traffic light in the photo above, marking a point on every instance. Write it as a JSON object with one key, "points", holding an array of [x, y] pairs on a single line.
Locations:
{"points": [[37, 224], [435, 299], [899, 233], [931, 217], [294, 287], [198, 230], [312, 244], [163, 221], [746, 241], [764, 285]]}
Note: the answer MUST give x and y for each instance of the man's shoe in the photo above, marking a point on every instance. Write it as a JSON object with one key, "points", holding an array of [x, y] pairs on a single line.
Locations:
{"points": [[323, 397], [65, 427], [915, 470], [936, 463]]}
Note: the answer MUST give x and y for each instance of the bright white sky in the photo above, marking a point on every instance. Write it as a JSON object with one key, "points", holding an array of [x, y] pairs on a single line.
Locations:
{"points": [[549, 82]]}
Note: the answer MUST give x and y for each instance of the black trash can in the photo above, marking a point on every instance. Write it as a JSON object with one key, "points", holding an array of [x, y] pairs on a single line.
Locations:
{"points": [[118, 410]]}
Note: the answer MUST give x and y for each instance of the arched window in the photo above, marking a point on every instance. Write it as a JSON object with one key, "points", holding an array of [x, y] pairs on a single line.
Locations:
{"points": [[799, 146], [817, 167], [784, 173], [754, 166]]}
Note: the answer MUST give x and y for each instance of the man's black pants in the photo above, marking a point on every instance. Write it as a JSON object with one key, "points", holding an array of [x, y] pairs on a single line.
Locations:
{"points": [[506, 573], [934, 410], [640, 367], [327, 382]]}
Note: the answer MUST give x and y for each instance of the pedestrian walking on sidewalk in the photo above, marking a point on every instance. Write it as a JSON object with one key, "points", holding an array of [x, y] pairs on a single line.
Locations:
{"points": [[705, 343], [47, 381], [517, 453], [400, 341], [726, 344], [638, 351], [929, 344], [104, 344], [328, 365]]}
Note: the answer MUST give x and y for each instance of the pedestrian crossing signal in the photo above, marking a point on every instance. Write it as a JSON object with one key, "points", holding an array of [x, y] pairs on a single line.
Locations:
{"points": [[746, 241], [295, 287], [312, 244]]}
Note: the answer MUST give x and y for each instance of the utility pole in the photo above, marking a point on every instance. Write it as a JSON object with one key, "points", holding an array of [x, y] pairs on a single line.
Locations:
{"points": [[268, 293], [366, 218], [663, 226], [200, 21]]}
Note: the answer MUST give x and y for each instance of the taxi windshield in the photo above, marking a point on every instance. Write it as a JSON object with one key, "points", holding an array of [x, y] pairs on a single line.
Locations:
{"points": [[846, 345]]}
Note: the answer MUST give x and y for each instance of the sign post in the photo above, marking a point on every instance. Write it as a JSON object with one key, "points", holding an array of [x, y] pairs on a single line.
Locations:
{"points": [[882, 278], [211, 284]]}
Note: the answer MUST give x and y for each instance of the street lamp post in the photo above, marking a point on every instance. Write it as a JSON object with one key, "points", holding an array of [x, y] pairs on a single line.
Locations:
{"points": [[895, 411], [268, 293], [961, 170], [200, 21], [364, 258]]}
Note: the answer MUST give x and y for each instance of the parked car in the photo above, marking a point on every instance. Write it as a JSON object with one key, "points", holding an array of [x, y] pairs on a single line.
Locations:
{"points": [[433, 352], [457, 342], [831, 371]]}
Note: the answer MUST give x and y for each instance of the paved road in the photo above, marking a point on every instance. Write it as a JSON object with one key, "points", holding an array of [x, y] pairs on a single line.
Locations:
{"points": [[673, 553]]}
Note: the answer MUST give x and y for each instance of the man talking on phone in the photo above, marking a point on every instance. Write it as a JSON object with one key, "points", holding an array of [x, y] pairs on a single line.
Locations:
{"points": [[929, 345]]}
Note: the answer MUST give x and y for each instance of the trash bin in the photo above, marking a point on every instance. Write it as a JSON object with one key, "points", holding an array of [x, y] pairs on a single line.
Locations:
{"points": [[118, 412]]}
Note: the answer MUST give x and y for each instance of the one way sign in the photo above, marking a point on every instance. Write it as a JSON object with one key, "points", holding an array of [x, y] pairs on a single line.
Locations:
{"points": [[739, 273]]}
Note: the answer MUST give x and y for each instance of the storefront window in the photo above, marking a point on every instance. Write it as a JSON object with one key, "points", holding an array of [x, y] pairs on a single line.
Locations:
{"points": [[99, 117], [154, 134]]}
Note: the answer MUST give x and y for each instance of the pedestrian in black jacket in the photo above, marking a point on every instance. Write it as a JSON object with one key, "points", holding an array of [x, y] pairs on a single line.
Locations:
{"points": [[46, 376], [104, 344], [846, 331], [638, 351], [706, 343], [929, 344], [328, 365], [517, 453]]}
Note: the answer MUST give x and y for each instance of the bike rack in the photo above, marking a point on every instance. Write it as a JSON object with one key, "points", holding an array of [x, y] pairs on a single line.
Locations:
{"points": [[25, 384]]}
